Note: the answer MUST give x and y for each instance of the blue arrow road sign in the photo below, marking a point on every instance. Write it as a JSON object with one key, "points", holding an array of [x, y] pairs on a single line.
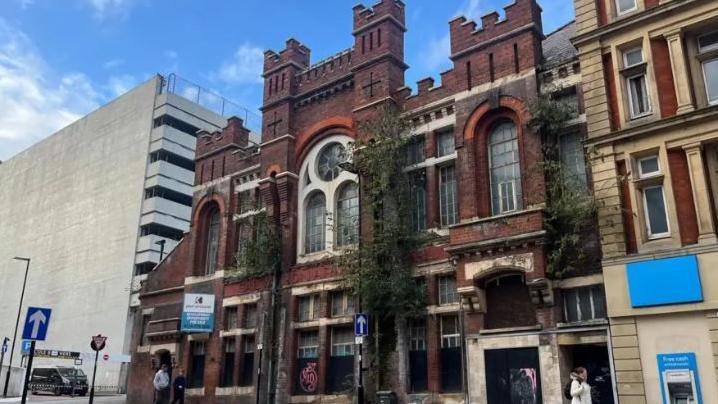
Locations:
{"points": [[36, 323], [25, 347], [361, 325]]}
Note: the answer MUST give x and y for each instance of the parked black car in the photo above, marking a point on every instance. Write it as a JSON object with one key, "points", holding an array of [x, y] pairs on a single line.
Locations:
{"points": [[58, 380]]}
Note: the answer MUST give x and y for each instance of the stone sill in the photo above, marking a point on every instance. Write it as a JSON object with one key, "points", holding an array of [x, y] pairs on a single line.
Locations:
{"points": [[196, 392], [508, 330], [234, 391], [588, 323], [324, 398]]}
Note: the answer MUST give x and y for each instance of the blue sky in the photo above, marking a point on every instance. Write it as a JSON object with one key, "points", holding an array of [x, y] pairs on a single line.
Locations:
{"points": [[60, 59]]}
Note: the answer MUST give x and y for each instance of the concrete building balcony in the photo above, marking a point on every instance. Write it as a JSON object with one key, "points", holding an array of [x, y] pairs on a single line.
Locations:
{"points": [[167, 207], [172, 147], [168, 183], [171, 171], [165, 220], [149, 243], [147, 256]]}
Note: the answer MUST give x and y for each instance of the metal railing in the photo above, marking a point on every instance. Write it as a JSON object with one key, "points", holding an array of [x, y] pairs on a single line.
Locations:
{"points": [[210, 100]]}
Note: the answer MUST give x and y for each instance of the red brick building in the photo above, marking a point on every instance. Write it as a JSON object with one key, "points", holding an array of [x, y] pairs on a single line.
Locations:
{"points": [[495, 326]]}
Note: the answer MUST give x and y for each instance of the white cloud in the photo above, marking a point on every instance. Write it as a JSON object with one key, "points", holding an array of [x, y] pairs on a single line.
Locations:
{"points": [[35, 101], [439, 49], [245, 67], [437, 53], [104, 9], [111, 64], [118, 85], [170, 54], [470, 9]]}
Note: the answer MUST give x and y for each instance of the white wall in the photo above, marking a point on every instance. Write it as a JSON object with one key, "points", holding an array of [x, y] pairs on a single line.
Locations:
{"points": [[72, 204]]}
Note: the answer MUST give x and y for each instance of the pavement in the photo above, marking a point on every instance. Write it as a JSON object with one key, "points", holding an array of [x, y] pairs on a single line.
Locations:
{"points": [[47, 399]]}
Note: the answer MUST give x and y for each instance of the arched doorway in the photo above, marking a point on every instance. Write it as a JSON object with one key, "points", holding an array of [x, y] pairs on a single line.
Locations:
{"points": [[163, 357], [508, 303]]}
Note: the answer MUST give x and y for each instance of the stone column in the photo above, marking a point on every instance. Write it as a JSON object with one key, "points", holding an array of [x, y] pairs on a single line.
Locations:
{"points": [[699, 186], [680, 71]]}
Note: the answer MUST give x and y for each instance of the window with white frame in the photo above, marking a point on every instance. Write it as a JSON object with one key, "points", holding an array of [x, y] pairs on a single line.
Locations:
{"points": [[505, 168], [347, 214], [654, 201], [450, 335], [445, 143], [308, 307], [447, 290], [584, 304], [417, 334], [447, 195], [329, 199], [315, 223], [342, 303], [625, 6], [342, 341], [708, 54], [636, 84], [308, 344]]}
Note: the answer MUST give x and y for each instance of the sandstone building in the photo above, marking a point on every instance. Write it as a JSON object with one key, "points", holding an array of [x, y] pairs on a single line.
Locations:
{"points": [[496, 324], [650, 84]]}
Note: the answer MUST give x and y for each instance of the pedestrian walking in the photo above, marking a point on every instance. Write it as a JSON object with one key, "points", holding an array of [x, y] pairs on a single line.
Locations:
{"points": [[580, 389], [179, 386], [161, 384]]}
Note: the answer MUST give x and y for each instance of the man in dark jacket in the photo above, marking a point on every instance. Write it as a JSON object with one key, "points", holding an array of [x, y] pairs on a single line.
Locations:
{"points": [[179, 386]]}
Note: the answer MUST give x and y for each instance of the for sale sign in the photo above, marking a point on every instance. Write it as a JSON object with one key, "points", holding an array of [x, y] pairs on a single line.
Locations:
{"points": [[198, 313]]}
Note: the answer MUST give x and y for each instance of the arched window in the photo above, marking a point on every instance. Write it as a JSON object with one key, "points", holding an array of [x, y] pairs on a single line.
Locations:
{"points": [[505, 168], [212, 247], [347, 215], [315, 223]]}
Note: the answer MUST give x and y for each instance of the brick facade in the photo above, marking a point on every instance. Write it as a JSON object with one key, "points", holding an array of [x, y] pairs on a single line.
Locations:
{"points": [[494, 79]]}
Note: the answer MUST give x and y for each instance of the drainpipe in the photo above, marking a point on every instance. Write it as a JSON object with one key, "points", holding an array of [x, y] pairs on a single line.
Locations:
{"points": [[464, 358]]}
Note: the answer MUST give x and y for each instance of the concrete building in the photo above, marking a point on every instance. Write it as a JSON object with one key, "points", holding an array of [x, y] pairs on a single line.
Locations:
{"points": [[89, 205], [496, 323], [650, 70]]}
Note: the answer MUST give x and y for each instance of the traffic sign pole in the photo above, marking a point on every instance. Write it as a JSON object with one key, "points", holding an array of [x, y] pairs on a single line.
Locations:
{"points": [[94, 372], [97, 344], [28, 372], [2, 353]]}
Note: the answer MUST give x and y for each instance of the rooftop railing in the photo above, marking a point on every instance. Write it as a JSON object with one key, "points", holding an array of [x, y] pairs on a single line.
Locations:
{"points": [[210, 100]]}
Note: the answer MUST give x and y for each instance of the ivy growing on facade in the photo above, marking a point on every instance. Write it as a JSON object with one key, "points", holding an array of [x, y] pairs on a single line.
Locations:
{"points": [[259, 254], [570, 208], [379, 269]]}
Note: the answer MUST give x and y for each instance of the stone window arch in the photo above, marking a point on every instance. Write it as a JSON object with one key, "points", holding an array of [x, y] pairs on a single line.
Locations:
{"points": [[321, 174]]}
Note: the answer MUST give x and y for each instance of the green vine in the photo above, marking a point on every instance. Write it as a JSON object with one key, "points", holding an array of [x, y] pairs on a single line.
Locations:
{"points": [[259, 254], [379, 269], [570, 209]]}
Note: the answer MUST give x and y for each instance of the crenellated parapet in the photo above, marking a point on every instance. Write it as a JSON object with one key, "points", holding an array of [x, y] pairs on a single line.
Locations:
{"points": [[384, 9], [323, 73], [520, 15]]}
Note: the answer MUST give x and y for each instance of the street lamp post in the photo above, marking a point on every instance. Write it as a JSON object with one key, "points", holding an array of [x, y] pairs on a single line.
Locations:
{"points": [[161, 243], [349, 166], [17, 322]]}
